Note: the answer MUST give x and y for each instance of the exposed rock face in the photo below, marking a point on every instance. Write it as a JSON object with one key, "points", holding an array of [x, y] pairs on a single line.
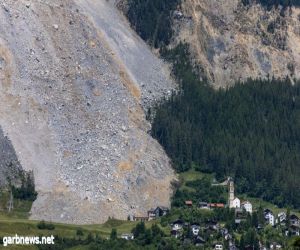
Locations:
{"points": [[75, 81], [233, 42], [10, 167]]}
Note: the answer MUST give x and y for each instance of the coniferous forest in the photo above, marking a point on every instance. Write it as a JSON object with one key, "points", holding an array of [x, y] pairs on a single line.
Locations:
{"points": [[250, 131], [270, 3]]}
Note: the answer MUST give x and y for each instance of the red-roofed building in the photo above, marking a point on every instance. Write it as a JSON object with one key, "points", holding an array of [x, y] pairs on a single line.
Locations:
{"points": [[189, 203], [216, 205]]}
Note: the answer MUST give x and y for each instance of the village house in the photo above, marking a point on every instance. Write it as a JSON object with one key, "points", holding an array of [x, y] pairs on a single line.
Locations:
{"points": [[281, 218], [269, 217], [176, 228], [203, 205], [195, 228], [294, 220], [275, 245], [157, 212], [216, 205], [236, 203], [218, 246], [247, 206], [189, 203], [294, 230], [177, 225], [127, 236]]}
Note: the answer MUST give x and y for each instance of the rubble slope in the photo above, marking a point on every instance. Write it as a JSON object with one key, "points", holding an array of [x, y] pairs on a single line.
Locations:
{"points": [[233, 42], [75, 81]]}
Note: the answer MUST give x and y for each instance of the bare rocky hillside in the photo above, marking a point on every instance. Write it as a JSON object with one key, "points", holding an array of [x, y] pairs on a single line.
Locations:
{"points": [[233, 42], [75, 81]]}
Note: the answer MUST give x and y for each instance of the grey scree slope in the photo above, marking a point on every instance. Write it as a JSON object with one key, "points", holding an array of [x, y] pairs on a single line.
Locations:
{"points": [[75, 81]]}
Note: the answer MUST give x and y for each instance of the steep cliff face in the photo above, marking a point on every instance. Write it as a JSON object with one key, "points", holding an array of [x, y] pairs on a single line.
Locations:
{"points": [[233, 42], [75, 81]]}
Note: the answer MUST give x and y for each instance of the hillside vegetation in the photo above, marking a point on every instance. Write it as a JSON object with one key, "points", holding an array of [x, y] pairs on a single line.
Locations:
{"points": [[152, 20], [250, 131], [269, 3]]}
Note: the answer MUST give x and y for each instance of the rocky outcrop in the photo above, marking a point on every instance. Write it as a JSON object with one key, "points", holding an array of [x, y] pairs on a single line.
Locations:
{"points": [[233, 42], [75, 81], [10, 168]]}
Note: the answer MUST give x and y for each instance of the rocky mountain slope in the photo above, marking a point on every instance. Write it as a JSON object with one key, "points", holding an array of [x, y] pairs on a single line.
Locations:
{"points": [[75, 81], [232, 41]]}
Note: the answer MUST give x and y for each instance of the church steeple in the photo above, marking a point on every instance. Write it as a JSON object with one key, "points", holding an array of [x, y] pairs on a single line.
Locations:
{"points": [[230, 192]]}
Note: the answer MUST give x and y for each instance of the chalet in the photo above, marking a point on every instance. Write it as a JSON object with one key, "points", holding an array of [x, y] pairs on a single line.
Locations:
{"points": [[294, 220], [195, 228], [218, 246], [155, 213], [269, 217], [189, 203], [128, 236], [275, 245], [294, 230], [177, 225], [203, 205], [247, 206], [281, 218]]}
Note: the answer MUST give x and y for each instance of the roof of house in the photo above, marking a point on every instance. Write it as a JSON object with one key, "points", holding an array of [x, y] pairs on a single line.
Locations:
{"points": [[202, 203], [266, 211], [178, 222], [294, 217], [188, 203], [163, 208], [216, 204], [246, 202], [126, 234]]}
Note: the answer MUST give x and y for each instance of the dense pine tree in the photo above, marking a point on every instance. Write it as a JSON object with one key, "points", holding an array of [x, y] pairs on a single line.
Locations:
{"points": [[250, 131]]}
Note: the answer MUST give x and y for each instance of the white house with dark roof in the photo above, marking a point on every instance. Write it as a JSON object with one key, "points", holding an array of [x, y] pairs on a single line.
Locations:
{"points": [[247, 206]]}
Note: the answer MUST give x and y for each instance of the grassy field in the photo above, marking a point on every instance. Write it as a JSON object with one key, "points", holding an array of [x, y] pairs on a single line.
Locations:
{"points": [[17, 222], [190, 175], [24, 227], [193, 175]]}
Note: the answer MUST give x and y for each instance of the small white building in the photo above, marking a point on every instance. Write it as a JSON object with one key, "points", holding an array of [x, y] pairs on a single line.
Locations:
{"points": [[236, 202], [270, 218], [218, 247], [128, 236], [247, 206], [177, 225], [195, 228]]}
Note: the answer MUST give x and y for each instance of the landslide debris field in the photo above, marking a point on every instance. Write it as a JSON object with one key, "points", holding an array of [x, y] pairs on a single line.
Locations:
{"points": [[74, 84]]}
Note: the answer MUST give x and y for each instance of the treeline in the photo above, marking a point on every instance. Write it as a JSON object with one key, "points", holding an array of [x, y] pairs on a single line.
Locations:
{"points": [[152, 238], [152, 20], [270, 3], [250, 131], [27, 189]]}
